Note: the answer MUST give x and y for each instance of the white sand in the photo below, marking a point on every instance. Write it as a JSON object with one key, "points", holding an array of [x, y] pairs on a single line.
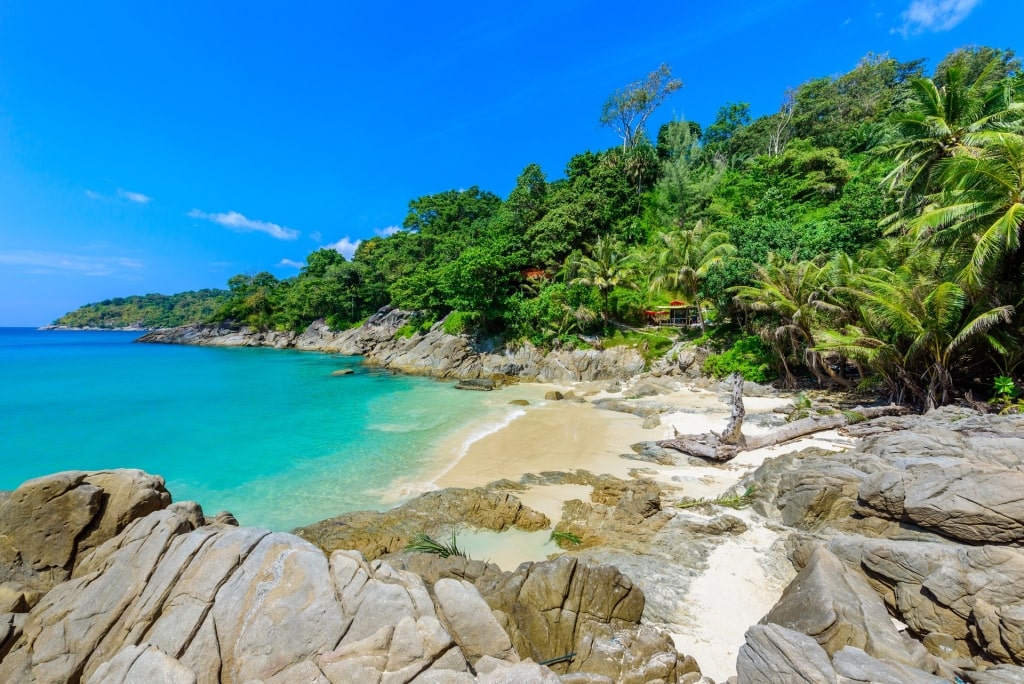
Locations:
{"points": [[733, 593]]}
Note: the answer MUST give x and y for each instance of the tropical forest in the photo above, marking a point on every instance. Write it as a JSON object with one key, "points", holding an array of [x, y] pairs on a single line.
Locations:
{"points": [[867, 235]]}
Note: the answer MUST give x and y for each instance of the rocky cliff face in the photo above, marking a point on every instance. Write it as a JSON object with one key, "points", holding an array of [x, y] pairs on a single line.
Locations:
{"points": [[434, 353]]}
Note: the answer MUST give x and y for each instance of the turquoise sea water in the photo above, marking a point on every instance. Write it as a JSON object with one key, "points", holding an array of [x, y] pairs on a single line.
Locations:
{"points": [[266, 434]]}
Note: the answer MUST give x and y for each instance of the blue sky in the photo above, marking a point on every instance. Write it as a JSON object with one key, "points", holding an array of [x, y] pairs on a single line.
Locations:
{"points": [[161, 147]]}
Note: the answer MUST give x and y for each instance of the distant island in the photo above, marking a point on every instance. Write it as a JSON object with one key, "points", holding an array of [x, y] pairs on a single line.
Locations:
{"points": [[146, 312]]}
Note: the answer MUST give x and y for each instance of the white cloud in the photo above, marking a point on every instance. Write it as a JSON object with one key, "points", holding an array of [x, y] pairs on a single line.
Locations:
{"points": [[346, 247], [36, 262], [387, 232], [934, 15], [291, 263], [315, 236], [240, 224], [133, 196], [93, 195]]}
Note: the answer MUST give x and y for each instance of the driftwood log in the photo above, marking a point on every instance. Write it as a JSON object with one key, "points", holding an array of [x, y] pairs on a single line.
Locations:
{"points": [[724, 447]]}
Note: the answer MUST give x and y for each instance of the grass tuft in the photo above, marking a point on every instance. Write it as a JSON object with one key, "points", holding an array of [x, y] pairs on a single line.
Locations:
{"points": [[734, 501]]}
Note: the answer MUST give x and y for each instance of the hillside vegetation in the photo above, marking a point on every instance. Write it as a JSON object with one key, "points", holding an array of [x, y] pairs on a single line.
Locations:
{"points": [[148, 311], [867, 233]]}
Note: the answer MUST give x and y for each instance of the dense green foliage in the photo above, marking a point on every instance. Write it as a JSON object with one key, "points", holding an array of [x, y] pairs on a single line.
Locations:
{"points": [[147, 311], [867, 233], [749, 356]]}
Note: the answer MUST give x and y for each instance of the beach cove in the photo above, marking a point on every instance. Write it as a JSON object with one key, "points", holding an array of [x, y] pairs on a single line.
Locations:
{"points": [[707, 603]]}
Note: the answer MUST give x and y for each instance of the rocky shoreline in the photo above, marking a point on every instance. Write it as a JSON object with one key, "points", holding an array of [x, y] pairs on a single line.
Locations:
{"points": [[432, 353], [896, 560]]}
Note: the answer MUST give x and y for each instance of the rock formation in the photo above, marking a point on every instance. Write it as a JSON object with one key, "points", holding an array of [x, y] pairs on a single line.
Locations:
{"points": [[434, 353], [144, 590], [921, 522]]}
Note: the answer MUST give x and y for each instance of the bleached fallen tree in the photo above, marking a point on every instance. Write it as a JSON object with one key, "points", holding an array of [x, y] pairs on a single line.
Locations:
{"points": [[725, 446]]}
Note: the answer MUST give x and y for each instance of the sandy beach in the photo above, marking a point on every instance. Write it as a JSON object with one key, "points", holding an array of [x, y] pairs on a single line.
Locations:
{"points": [[744, 575]]}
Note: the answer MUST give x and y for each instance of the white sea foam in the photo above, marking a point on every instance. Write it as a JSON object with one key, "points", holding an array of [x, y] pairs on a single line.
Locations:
{"points": [[475, 436], [400, 491]]}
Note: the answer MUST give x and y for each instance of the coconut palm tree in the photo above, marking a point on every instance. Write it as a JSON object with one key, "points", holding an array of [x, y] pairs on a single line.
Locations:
{"points": [[686, 260], [795, 294], [608, 266], [978, 217], [914, 329], [944, 122]]}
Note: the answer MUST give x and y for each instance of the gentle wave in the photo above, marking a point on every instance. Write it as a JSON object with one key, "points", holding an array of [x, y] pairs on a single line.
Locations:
{"points": [[476, 436], [403, 491]]}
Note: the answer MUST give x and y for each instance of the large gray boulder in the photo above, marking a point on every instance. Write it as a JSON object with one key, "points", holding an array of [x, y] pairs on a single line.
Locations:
{"points": [[837, 607], [47, 525], [975, 594], [968, 502], [235, 604], [775, 654]]}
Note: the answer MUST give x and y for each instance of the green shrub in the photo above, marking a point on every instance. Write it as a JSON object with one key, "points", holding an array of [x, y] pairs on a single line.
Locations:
{"points": [[459, 322], [406, 331], [749, 356]]}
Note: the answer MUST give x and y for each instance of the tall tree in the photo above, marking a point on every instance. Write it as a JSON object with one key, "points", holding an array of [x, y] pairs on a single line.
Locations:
{"points": [[979, 214], [687, 258], [942, 122], [606, 267], [628, 109]]}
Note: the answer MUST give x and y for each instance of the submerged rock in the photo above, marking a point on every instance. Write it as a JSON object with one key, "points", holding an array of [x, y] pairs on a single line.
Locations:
{"points": [[478, 384]]}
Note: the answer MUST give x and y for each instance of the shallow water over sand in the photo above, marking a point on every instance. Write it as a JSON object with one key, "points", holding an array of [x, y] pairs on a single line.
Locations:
{"points": [[269, 435]]}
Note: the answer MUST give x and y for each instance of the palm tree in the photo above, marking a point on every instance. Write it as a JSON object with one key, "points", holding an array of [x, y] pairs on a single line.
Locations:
{"points": [[914, 328], [795, 293], [607, 267], [979, 216], [686, 260], [944, 122]]}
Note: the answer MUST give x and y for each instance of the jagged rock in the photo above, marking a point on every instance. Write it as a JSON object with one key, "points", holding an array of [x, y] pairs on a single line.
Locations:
{"points": [[376, 533], [519, 402], [564, 606], [775, 654], [860, 668], [837, 608], [968, 502], [220, 603], [47, 525], [554, 395], [342, 371], [972, 593]]}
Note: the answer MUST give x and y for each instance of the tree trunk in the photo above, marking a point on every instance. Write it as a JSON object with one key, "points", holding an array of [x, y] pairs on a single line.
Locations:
{"points": [[711, 447], [733, 433]]}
